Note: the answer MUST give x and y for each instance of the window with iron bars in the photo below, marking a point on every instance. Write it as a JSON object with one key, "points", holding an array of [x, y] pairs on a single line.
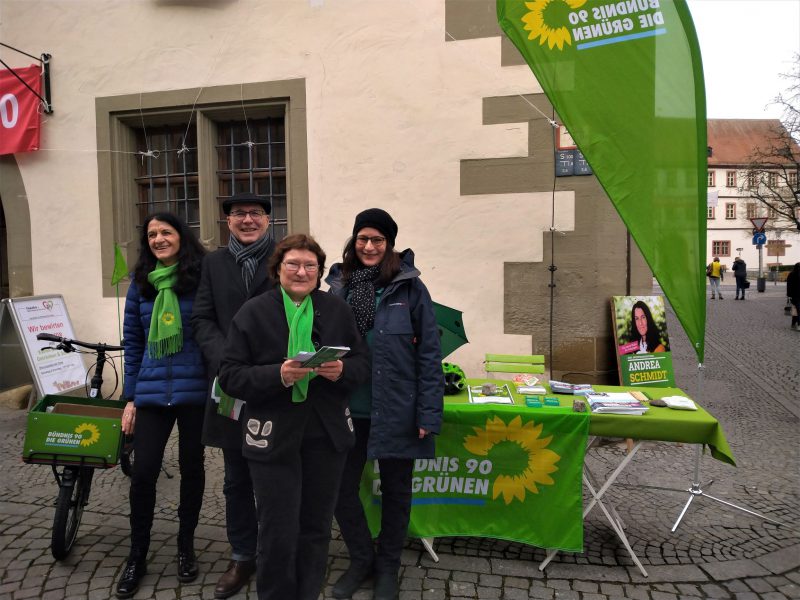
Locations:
{"points": [[251, 157], [166, 178]]}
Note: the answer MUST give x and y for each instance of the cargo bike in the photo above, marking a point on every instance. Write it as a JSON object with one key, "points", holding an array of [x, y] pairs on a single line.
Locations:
{"points": [[75, 436]]}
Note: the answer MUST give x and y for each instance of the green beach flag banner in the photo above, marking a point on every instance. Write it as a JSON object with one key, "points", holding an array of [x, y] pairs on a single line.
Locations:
{"points": [[498, 474], [625, 77]]}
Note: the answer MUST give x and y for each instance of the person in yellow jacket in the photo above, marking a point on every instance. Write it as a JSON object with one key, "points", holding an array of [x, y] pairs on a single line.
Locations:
{"points": [[715, 275]]}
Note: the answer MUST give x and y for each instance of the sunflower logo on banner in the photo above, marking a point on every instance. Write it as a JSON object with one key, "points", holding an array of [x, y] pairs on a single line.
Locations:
{"points": [[497, 474], [521, 450], [548, 21]]}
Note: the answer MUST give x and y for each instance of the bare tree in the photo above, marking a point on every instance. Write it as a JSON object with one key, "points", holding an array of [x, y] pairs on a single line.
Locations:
{"points": [[772, 175]]}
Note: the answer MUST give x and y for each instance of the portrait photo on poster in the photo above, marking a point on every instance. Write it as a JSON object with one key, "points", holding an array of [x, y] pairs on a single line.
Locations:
{"points": [[641, 340]]}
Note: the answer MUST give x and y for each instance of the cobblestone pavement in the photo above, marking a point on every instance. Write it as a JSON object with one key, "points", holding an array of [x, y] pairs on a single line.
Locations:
{"points": [[751, 384]]}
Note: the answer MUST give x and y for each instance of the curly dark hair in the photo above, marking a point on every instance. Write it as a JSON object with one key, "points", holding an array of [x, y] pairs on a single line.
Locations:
{"points": [[190, 256], [297, 241], [390, 264], [652, 336]]}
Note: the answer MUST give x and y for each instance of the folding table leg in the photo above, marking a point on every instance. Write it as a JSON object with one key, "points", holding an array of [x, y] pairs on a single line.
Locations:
{"points": [[616, 522], [428, 544]]}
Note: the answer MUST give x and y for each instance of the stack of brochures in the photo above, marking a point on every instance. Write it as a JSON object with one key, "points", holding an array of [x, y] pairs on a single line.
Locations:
{"points": [[620, 403], [526, 385], [323, 355], [561, 387]]}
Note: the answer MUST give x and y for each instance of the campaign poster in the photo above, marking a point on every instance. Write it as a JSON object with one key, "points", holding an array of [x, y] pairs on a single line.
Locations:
{"points": [[642, 343]]}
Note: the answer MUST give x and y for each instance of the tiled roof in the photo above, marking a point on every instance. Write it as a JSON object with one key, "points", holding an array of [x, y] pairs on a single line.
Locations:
{"points": [[733, 140]]}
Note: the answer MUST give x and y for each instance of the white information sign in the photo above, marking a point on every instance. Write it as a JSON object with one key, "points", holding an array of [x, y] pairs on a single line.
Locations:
{"points": [[54, 371]]}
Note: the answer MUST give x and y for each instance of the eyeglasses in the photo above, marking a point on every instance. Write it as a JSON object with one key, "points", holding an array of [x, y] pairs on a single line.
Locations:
{"points": [[377, 240], [293, 267], [241, 215]]}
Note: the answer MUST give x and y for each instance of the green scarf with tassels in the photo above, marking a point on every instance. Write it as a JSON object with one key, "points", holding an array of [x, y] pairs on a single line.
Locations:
{"points": [[166, 329], [301, 322]]}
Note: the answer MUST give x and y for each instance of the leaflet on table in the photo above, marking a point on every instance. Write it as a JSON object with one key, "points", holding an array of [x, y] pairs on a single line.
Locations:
{"points": [[227, 406], [323, 355], [531, 390], [616, 403], [501, 396], [679, 402], [562, 387]]}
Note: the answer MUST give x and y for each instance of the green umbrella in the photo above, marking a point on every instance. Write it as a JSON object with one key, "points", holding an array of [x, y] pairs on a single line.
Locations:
{"points": [[451, 328]]}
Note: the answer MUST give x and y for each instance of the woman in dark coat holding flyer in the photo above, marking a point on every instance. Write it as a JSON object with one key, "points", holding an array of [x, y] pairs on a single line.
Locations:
{"points": [[296, 423], [397, 413]]}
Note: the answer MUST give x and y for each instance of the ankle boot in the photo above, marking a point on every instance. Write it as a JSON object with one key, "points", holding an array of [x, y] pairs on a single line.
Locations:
{"points": [[187, 566], [352, 579], [132, 575], [385, 586]]}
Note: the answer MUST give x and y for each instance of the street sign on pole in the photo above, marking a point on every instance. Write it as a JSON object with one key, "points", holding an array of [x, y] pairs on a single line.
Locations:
{"points": [[759, 222], [759, 238]]}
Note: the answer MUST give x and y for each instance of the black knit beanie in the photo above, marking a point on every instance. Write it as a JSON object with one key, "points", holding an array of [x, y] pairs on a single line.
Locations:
{"points": [[380, 220]]}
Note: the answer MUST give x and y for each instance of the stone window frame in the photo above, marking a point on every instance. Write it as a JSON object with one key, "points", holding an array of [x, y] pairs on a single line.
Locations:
{"points": [[116, 118], [721, 248], [730, 179], [730, 210]]}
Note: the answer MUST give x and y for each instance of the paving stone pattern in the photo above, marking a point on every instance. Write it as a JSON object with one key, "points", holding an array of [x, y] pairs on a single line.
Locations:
{"points": [[751, 383]]}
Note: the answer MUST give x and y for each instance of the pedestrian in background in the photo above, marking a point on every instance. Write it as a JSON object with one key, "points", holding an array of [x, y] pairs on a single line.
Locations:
{"points": [[793, 292], [715, 275], [740, 273], [165, 383], [230, 277], [397, 413]]}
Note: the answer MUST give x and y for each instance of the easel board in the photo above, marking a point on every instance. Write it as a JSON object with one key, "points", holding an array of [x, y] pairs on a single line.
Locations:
{"points": [[52, 371]]}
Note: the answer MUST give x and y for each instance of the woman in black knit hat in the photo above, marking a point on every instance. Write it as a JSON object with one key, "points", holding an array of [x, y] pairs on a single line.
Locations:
{"points": [[394, 417]]}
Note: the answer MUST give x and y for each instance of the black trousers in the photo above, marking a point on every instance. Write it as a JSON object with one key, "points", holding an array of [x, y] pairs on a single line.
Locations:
{"points": [[395, 506], [295, 499], [153, 427], [740, 285]]}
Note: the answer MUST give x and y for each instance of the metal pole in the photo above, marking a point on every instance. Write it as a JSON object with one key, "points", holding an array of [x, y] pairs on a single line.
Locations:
{"points": [[761, 284]]}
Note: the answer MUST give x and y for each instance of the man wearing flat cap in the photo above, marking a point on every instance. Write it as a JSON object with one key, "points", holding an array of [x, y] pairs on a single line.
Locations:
{"points": [[230, 277]]}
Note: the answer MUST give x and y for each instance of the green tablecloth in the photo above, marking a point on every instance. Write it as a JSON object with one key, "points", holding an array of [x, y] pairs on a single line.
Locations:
{"points": [[658, 423]]}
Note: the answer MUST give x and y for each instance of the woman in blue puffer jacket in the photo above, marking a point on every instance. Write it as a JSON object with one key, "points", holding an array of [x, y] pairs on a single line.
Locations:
{"points": [[165, 382]]}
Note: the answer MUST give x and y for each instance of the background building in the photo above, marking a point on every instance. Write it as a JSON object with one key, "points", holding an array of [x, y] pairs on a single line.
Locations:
{"points": [[328, 107], [734, 184]]}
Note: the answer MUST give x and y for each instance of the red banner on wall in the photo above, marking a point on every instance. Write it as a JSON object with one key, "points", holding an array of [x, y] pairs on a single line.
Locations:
{"points": [[19, 110]]}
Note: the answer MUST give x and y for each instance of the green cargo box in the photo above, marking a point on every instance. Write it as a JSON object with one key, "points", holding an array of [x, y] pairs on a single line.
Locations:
{"points": [[64, 430]]}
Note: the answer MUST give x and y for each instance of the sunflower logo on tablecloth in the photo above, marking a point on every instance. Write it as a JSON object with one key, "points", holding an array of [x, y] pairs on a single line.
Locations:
{"points": [[518, 453], [548, 20], [92, 430]]}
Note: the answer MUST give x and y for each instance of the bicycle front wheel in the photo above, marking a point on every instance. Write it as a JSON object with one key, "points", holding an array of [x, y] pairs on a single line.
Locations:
{"points": [[73, 495]]}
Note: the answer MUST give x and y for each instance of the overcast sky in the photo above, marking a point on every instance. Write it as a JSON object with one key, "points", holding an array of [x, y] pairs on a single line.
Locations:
{"points": [[745, 45]]}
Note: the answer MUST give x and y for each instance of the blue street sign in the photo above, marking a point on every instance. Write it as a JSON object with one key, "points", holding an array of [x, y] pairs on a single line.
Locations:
{"points": [[759, 238]]}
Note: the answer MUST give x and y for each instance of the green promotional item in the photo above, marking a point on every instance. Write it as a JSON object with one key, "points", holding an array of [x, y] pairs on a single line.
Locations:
{"points": [[301, 322], [500, 474], [166, 328], [626, 79]]}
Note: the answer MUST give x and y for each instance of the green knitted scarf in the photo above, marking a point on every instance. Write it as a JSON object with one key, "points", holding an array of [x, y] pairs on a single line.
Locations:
{"points": [[301, 322], [166, 329]]}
